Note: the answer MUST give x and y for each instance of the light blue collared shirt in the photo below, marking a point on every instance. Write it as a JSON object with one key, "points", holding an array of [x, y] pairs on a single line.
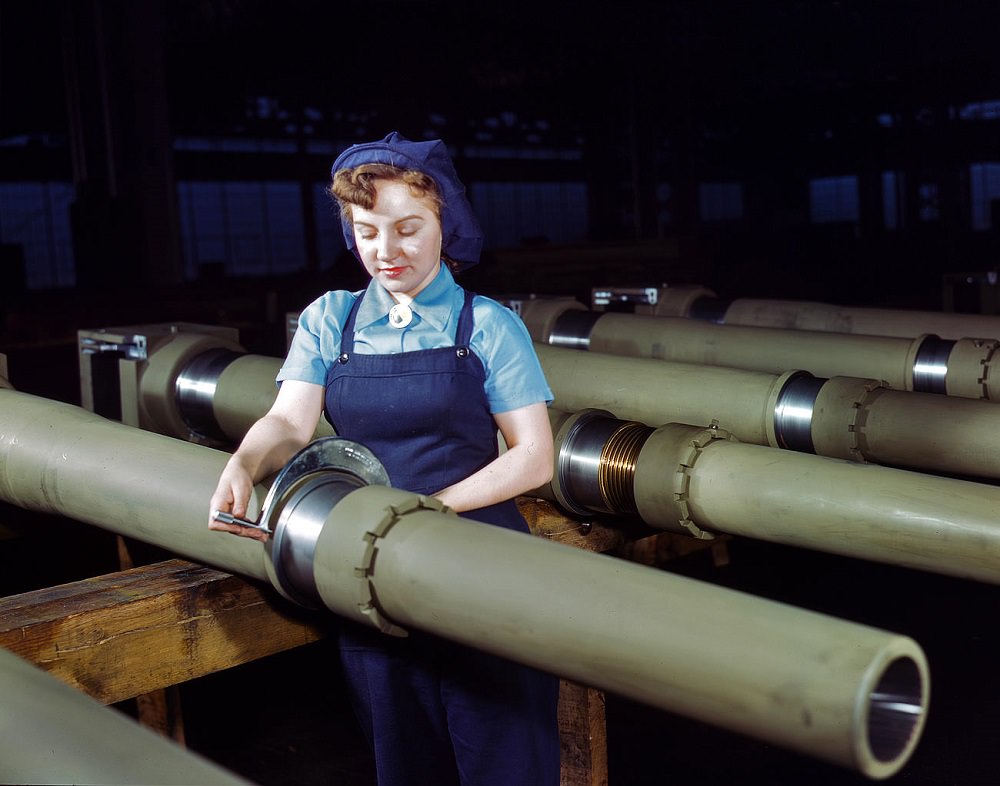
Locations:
{"points": [[514, 377]]}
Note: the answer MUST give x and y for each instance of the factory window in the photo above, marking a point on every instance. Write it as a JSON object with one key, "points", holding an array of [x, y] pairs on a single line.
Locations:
{"points": [[984, 186], [329, 237], [928, 202], [34, 220], [833, 199], [980, 110], [720, 201], [514, 213], [664, 208], [520, 152], [244, 228], [890, 199], [235, 145]]}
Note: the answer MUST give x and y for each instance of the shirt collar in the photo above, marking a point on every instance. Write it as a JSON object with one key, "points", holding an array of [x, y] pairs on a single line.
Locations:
{"points": [[434, 304]]}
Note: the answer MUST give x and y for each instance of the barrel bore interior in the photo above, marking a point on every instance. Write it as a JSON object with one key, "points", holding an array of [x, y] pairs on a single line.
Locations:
{"points": [[895, 709]]}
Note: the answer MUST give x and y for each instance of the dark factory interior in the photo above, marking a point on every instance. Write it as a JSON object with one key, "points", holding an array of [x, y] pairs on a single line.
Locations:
{"points": [[166, 162]]}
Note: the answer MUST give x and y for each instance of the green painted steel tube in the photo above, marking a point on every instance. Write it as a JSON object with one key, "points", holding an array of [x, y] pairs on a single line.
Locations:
{"points": [[245, 391], [235, 393], [795, 679], [687, 300], [849, 694], [678, 300], [158, 391], [805, 315], [540, 315], [849, 418], [58, 458], [700, 481], [762, 349], [657, 392], [51, 733], [941, 525], [926, 363], [862, 419]]}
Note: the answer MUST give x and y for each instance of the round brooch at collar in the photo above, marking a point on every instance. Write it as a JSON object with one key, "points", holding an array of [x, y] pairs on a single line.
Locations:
{"points": [[400, 316]]}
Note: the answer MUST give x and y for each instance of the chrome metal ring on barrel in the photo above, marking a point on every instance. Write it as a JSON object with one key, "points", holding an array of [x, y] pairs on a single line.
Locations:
{"points": [[300, 499]]}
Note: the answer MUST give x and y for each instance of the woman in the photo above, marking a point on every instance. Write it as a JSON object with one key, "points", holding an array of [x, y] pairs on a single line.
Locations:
{"points": [[423, 374]]}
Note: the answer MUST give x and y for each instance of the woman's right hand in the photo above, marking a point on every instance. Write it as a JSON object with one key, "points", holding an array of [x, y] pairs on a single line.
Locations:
{"points": [[271, 441], [232, 495]]}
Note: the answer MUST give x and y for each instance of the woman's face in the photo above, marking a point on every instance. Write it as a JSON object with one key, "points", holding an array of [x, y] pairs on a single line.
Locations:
{"points": [[399, 239]]}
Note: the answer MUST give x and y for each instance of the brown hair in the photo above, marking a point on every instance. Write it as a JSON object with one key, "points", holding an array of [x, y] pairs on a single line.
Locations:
{"points": [[356, 186]]}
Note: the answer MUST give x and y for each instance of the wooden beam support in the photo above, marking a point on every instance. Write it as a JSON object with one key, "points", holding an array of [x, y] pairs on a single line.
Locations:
{"points": [[117, 636], [583, 747], [546, 521]]}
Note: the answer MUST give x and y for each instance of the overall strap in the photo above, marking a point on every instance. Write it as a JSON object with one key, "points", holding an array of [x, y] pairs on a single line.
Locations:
{"points": [[347, 336], [463, 335]]}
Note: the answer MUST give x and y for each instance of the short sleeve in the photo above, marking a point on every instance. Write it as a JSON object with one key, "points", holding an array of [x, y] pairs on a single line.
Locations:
{"points": [[514, 376], [316, 343]]}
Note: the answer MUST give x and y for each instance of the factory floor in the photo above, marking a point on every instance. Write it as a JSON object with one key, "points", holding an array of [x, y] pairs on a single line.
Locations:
{"points": [[281, 720]]}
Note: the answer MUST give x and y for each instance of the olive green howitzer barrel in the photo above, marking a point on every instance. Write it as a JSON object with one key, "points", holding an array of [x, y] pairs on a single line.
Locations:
{"points": [[926, 364], [697, 302], [846, 693], [700, 481], [862, 420], [51, 733]]}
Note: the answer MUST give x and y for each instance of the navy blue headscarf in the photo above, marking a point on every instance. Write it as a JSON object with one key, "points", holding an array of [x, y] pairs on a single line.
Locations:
{"points": [[461, 237]]}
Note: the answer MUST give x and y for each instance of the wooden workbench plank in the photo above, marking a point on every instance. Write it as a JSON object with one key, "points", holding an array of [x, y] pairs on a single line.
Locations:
{"points": [[147, 628], [546, 521], [125, 586]]}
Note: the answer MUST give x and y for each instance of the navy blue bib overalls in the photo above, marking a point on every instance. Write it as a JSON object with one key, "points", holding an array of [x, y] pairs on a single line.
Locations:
{"points": [[435, 712]]}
